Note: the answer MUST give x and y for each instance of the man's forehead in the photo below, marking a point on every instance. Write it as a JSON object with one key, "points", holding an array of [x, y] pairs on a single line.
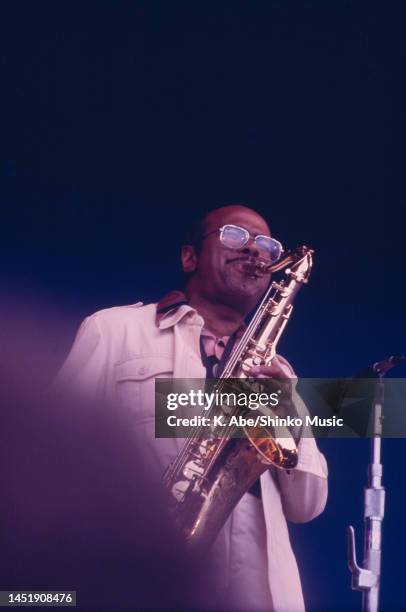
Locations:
{"points": [[237, 215]]}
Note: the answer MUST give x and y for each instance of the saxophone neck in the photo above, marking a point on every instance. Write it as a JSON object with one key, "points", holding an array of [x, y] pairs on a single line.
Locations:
{"points": [[294, 257]]}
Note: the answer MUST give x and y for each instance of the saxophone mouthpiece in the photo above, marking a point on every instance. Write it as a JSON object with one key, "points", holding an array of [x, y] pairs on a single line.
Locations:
{"points": [[263, 267], [257, 267]]}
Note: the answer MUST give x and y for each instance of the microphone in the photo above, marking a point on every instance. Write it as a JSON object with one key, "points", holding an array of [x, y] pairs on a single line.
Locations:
{"points": [[381, 367], [356, 395]]}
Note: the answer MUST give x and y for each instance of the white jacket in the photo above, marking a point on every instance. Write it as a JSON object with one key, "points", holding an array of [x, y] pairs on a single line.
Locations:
{"points": [[118, 352]]}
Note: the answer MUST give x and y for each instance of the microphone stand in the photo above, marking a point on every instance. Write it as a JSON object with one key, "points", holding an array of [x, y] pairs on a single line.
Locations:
{"points": [[367, 577]]}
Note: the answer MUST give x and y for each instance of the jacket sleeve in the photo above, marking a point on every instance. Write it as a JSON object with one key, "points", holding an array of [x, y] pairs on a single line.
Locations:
{"points": [[304, 489], [84, 369]]}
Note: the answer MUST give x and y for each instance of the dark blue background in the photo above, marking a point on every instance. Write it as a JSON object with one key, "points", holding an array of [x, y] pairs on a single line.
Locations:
{"points": [[123, 121]]}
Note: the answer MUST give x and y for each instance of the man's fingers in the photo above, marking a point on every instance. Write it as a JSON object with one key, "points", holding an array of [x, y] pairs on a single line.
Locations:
{"points": [[268, 371]]}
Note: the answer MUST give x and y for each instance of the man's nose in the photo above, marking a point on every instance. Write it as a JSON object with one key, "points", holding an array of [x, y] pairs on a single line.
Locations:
{"points": [[251, 248]]}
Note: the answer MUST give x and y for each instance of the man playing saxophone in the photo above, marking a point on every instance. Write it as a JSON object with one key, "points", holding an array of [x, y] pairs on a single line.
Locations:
{"points": [[119, 352]]}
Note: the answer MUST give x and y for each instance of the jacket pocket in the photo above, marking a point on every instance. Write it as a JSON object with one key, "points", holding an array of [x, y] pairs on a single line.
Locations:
{"points": [[135, 383]]}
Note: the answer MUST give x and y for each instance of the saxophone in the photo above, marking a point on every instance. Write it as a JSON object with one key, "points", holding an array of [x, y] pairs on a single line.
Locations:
{"points": [[213, 471]]}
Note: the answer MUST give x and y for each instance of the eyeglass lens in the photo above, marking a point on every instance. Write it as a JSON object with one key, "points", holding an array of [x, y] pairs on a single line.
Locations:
{"points": [[236, 237]]}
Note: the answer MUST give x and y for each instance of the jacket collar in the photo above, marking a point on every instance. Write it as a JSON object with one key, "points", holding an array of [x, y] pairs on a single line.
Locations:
{"points": [[171, 309], [174, 306]]}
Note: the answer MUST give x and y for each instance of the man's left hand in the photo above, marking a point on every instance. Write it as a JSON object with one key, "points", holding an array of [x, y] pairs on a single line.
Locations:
{"points": [[275, 370], [279, 379]]}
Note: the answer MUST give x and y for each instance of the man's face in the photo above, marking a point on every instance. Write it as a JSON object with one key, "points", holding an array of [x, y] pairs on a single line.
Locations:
{"points": [[221, 272]]}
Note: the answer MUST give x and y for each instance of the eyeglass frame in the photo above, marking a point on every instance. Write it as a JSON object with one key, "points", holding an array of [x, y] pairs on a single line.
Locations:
{"points": [[248, 234]]}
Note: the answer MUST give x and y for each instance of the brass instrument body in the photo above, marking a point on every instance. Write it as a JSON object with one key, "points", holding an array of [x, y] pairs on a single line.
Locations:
{"points": [[211, 473]]}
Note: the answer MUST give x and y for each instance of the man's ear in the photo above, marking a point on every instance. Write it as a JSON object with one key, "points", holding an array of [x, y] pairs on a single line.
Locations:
{"points": [[188, 259]]}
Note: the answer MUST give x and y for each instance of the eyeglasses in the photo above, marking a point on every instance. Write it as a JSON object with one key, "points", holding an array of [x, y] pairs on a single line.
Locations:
{"points": [[235, 237]]}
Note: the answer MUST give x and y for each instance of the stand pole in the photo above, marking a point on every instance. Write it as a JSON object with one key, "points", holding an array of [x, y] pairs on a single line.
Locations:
{"points": [[367, 578]]}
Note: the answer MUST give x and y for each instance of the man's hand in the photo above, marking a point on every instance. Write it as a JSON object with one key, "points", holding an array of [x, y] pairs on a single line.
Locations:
{"points": [[275, 370], [280, 380]]}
